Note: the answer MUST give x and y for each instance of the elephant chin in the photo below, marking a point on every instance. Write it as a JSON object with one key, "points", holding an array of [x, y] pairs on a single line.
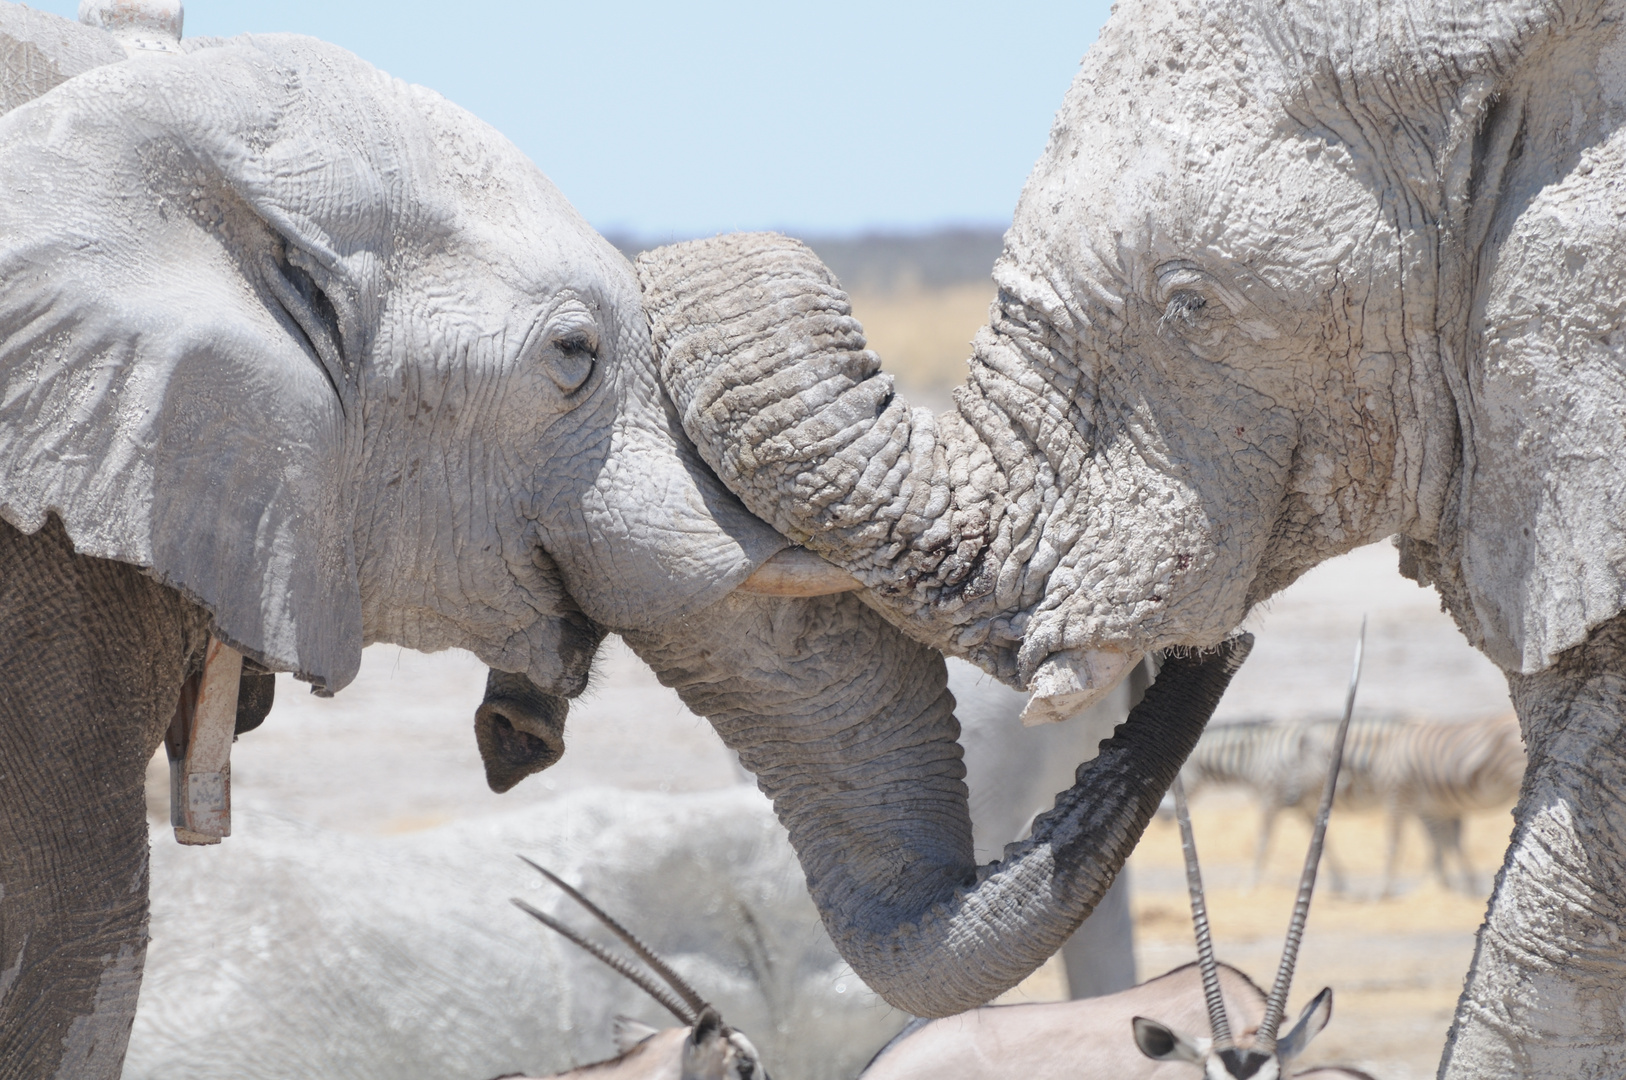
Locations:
{"points": [[850, 730]]}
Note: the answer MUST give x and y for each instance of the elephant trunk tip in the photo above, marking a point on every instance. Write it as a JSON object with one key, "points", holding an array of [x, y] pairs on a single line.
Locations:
{"points": [[519, 728]]}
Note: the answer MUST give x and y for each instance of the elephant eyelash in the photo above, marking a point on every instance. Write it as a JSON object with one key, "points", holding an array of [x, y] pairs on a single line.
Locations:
{"points": [[577, 345], [1182, 309]]}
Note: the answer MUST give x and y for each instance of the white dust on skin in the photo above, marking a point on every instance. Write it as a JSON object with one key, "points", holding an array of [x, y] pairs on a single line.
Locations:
{"points": [[94, 1044]]}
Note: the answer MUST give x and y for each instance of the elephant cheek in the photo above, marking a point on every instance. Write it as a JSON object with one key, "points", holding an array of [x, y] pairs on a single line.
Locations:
{"points": [[519, 729]]}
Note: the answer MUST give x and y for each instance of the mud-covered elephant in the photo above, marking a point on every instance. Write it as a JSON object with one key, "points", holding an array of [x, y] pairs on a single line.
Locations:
{"points": [[1289, 277], [296, 357]]}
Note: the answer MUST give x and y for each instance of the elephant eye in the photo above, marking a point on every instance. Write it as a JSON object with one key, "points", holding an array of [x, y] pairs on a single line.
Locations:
{"points": [[571, 355]]}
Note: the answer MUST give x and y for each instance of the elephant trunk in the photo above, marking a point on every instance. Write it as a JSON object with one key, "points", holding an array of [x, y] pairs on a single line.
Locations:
{"points": [[519, 728], [943, 519], [849, 727]]}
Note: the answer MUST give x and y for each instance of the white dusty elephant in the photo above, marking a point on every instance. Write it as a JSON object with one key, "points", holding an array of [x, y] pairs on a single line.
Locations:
{"points": [[296, 357], [320, 954], [1290, 277]]}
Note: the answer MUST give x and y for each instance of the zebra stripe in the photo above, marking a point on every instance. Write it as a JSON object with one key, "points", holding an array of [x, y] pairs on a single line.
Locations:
{"points": [[1435, 772]]}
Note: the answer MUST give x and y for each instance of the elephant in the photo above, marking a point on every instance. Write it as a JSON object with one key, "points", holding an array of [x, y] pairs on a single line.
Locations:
{"points": [[400, 956], [295, 357], [1288, 278]]}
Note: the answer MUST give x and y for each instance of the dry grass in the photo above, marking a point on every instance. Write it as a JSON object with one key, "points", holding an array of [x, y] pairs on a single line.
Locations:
{"points": [[923, 336]]}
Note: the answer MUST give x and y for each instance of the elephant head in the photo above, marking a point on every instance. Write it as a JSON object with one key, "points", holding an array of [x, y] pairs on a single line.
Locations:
{"points": [[1288, 278], [329, 356], [1282, 284]]}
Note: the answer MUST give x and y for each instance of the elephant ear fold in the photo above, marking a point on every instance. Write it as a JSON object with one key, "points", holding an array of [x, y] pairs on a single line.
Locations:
{"points": [[1541, 526], [170, 384], [39, 51]]}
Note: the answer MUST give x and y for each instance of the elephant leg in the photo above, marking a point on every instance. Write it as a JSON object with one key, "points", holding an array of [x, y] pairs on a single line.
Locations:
{"points": [[1546, 995], [92, 657]]}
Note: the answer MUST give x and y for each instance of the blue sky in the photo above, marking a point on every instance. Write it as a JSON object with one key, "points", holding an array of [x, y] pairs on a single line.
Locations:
{"points": [[674, 119]]}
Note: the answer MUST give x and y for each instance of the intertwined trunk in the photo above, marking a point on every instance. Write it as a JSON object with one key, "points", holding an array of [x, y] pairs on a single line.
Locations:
{"points": [[849, 727], [944, 518], [92, 658], [1546, 996]]}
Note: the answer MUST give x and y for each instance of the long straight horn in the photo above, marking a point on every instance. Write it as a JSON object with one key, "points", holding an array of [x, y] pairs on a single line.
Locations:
{"points": [[632, 973], [1276, 1005], [1199, 919], [644, 952]]}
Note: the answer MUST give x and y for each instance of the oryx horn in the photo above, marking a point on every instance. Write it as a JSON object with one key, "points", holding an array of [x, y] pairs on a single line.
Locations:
{"points": [[633, 974], [1217, 1019], [1276, 1004], [693, 1001]]}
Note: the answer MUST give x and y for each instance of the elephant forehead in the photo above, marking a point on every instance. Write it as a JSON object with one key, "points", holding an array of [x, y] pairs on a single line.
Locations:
{"points": [[1173, 145]]}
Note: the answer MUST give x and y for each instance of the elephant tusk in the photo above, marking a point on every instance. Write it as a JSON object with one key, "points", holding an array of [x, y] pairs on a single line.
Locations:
{"points": [[1069, 682], [199, 747], [798, 572]]}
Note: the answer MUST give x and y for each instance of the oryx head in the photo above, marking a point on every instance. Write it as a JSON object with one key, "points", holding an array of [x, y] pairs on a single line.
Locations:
{"points": [[712, 1050], [1266, 1056]]}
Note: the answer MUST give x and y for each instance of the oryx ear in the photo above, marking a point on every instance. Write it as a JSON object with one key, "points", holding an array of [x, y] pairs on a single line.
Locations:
{"points": [[1307, 1026], [707, 1026], [705, 1052], [628, 1033], [43, 50], [174, 389], [1161, 1043]]}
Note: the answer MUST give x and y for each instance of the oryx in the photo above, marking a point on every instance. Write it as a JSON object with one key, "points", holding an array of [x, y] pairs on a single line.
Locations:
{"points": [[704, 1049]]}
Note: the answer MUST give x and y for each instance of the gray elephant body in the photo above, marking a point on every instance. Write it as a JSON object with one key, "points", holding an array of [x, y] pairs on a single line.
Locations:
{"points": [[313, 953], [1289, 278], [327, 361]]}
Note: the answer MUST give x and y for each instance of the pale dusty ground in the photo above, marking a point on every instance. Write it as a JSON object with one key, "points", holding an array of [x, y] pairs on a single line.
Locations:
{"points": [[395, 752]]}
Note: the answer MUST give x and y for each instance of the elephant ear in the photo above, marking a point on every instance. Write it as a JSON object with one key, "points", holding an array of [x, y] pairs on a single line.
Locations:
{"points": [[1541, 527], [179, 328], [39, 51]]}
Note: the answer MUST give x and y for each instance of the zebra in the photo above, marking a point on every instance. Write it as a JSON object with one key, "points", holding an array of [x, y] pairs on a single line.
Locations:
{"points": [[1280, 765], [1437, 772], [1440, 773]]}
